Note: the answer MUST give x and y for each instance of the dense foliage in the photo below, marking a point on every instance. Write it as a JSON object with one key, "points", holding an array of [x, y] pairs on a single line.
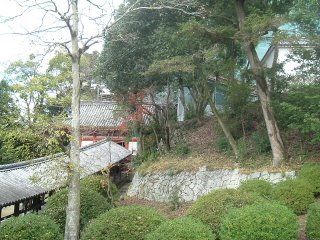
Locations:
{"points": [[34, 105], [268, 221], [152, 51], [311, 174], [313, 222], [261, 187], [102, 185], [30, 226], [92, 204], [20, 144], [296, 194], [8, 109], [182, 229], [213, 207], [123, 223], [298, 110]]}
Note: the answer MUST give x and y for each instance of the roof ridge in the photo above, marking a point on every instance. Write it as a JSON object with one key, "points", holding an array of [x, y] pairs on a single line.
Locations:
{"points": [[23, 164], [97, 102]]}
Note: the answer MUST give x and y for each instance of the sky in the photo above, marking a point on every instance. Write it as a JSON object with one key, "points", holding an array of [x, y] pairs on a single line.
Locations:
{"points": [[14, 47]]}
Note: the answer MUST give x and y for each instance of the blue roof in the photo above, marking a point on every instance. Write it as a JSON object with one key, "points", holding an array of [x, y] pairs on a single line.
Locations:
{"points": [[264, 45], [266, 41]]}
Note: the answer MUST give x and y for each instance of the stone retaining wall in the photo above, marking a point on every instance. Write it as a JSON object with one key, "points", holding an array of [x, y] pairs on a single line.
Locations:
{"points": [[189, 186]]}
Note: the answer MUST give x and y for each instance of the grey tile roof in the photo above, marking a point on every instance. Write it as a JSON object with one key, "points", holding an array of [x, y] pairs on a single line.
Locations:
{"points": [[100, 114], [26, 179]]}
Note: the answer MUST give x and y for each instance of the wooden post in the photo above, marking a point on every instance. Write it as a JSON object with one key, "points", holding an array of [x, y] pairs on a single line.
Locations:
{"points": [[26, 204], [35, 203], [42, 198], [39, 202], [16, 209]]}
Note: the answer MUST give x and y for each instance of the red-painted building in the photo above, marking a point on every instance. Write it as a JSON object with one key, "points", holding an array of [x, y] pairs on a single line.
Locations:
{"points": [[102, 120]]}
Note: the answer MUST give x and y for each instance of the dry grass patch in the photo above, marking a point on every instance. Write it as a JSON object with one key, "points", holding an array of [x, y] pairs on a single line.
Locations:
{"points": [[191, 163]]}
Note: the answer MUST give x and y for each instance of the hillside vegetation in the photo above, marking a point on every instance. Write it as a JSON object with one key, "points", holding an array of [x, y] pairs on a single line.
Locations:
{"points": [[201, 144]]}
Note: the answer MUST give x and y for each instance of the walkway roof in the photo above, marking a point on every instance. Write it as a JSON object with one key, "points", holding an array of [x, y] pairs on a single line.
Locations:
{"points": [[24, 180]]}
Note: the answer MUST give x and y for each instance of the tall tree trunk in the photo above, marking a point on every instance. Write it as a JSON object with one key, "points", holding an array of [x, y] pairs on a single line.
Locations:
{"points": [[73, 209], [276, 143], [224, 127]]}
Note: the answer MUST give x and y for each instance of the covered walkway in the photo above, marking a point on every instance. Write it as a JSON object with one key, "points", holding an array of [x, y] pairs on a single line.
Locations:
{"points": [[26, 184]]}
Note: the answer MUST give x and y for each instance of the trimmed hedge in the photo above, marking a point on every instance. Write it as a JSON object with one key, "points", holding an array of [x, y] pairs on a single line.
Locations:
{"points": [[296, 194], [260, 187], [313, 222], [182, 229], [212, 208], [267, 221], [99, 183], [311, 173], [124, 223], [92, 204], [31, 227]]}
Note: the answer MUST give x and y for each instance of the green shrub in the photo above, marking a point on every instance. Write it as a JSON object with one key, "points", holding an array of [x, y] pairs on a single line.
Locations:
{"points": [[31, 227], [182, 149], [145, 157], [299, 111], [211, 208], [20, 144], [101, 184], [182, 229], [260, 141], [124, 223], [92, 204], [223, 145], [311, 173], [260, 187], [295, 194], [243, 149], [267, 221], [313, 222]]}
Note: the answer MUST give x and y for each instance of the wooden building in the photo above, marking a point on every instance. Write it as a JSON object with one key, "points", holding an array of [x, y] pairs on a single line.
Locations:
{"points": [[24, 186], [101, 120]]}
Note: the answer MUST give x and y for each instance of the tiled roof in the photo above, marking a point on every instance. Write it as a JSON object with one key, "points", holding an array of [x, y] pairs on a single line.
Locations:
{"points": [[100, 114], [24, 180]]}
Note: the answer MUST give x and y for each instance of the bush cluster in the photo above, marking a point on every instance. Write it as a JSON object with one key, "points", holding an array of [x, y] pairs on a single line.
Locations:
{"points": [[211, 208], [311, 173], [260, 187], [124, 223], [267, 221], [24, 144], [181, 149], [223, 144], [92, 204], [296, 194], [31, 227], [313, 222], [102, 185], [260, 141], [182, 229]]}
